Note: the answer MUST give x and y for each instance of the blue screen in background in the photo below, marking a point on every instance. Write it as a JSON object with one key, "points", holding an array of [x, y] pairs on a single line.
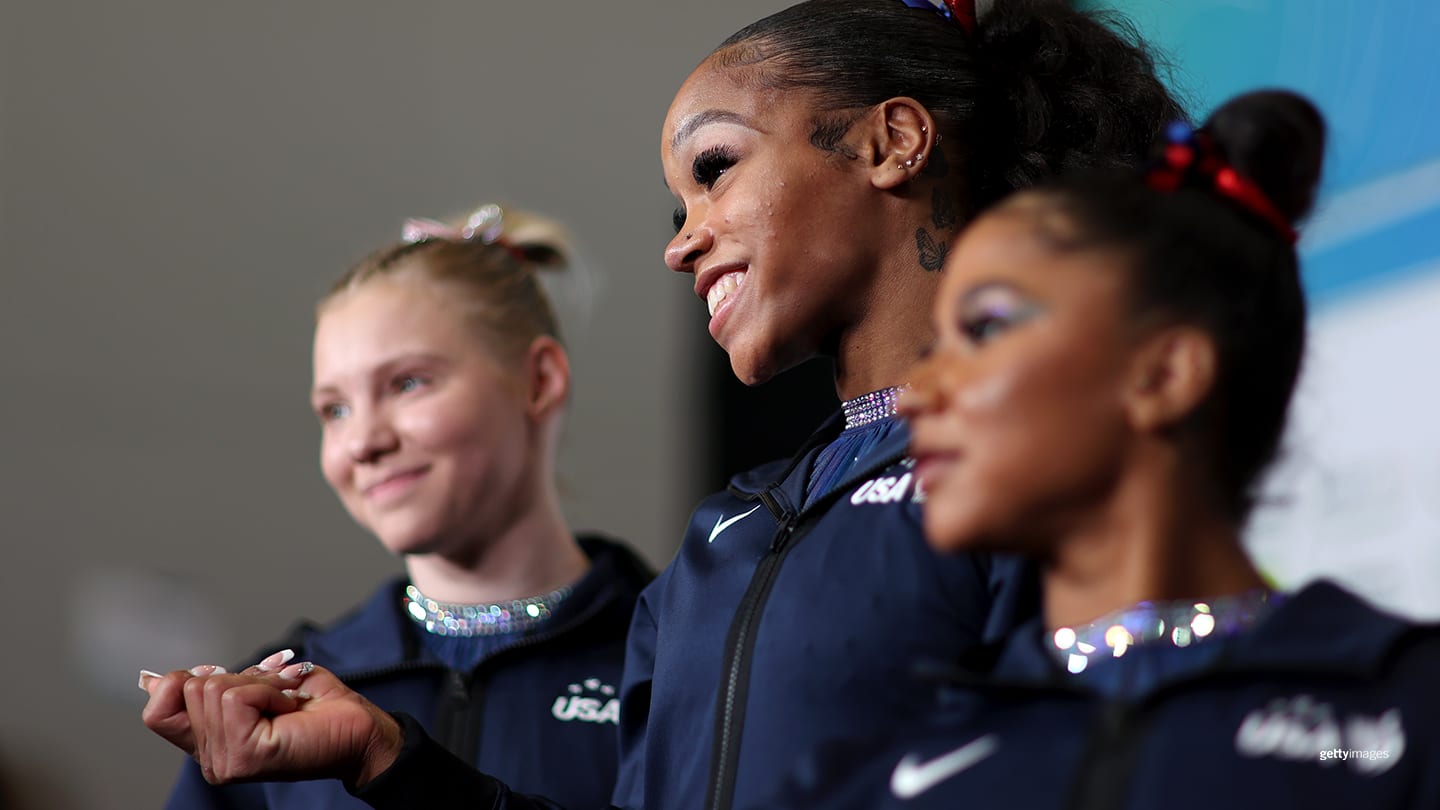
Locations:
{"points": [[1356, 494]]}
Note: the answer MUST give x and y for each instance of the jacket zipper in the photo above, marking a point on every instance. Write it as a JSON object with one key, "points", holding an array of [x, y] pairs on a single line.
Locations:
{"points": [[1103, 778], [730, 709], [460, 716], [740, 644]]}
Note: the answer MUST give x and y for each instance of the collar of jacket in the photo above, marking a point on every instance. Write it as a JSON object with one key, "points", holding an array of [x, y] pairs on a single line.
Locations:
{"points": [[789, 477], [1322, 630], [378, 636]]}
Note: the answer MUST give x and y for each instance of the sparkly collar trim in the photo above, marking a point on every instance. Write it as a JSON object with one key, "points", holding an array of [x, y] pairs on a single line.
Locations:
{"points": [[487, 619], [871, 407], [1178, 623]]}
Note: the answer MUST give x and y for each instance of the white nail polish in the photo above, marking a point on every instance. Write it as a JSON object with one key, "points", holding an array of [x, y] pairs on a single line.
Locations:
{"points": [[145, 673], [276, 660]]}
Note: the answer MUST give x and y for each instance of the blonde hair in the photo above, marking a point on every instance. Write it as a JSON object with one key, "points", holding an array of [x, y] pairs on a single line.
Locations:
{"points": [[497, 280]]}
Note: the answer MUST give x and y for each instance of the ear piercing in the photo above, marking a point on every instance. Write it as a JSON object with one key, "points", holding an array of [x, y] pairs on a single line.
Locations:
{"points": [[920, 158]]}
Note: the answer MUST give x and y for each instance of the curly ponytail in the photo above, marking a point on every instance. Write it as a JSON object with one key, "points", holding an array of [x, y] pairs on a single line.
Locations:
{"points": [[1040, 88]]}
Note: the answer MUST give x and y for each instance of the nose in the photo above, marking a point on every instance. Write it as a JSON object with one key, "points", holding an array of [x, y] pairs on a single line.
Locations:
{"points": [[688, 245], [370, 437]]}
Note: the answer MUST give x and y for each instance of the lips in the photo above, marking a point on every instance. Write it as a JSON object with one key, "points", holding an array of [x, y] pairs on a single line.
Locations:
{"points": [[395, 484], [726, 286], [931, 462], [715, 284]]}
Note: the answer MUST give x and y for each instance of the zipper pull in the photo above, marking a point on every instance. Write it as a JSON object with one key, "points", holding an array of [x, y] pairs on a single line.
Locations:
{"points": [[459, 689], [782, 535]]}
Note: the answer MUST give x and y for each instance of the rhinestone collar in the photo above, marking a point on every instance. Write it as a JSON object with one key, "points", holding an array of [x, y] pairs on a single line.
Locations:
{"points": [[452, 619], [871, 407], [1179, 623]]}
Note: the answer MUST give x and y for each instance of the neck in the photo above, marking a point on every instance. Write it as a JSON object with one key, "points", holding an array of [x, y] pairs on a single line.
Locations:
{"points": [[1150, 543], [890, 330], [536, 553]]}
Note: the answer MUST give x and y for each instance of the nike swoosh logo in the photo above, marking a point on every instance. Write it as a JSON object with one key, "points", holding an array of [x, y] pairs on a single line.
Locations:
{"points": [[721, 524], [911, 777]]}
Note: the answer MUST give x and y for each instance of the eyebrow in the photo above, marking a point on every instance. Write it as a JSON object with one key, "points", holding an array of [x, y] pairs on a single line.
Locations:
{"points": [[688, 127]]}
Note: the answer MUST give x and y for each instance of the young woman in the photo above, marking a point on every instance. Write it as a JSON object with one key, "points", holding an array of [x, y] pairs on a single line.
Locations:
{"points": [[440, 386], [823, 158], [1114, 361]]}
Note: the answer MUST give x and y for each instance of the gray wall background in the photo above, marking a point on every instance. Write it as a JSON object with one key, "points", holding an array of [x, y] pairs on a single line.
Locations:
{"points": [[178, 183]]}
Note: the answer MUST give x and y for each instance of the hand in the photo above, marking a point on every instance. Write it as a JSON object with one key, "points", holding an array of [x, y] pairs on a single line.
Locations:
{"points": [[271, 723]]}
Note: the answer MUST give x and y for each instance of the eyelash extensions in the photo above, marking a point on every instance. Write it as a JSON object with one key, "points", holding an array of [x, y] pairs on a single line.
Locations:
{"points": [[706, 170]]}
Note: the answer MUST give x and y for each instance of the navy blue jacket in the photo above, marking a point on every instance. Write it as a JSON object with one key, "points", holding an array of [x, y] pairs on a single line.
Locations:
{"points": [[1326, 703], [541, 714], [773, 629]]}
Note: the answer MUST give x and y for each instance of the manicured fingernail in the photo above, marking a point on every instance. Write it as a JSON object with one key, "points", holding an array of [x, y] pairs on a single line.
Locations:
{"points": [[276, 660], [207, 669], [295, 694], [295, 672], [145, 673]]}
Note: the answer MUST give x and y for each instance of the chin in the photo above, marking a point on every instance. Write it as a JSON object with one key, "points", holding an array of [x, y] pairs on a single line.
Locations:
{"points": [[944, 535], [761, 364], [952, 528], [401, 540], [751, 373]]}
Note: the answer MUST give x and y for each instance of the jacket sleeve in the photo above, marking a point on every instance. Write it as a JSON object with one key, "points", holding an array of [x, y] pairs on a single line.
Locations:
{"points": [[635, 701], [427, 775], [192, 792]]}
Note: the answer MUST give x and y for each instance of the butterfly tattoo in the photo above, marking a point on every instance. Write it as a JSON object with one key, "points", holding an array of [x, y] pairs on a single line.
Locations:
{"points": [[932, 251]]}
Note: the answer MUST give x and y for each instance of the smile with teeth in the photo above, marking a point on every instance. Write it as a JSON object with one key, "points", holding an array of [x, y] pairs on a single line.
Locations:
{"points": [[723, 287]]}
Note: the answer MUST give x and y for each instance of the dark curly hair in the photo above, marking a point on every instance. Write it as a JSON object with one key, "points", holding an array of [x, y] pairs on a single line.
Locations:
{"points": [[1041, 88], [1198, 257]]}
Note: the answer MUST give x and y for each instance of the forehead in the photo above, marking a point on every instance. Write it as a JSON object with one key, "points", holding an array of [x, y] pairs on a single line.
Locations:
{"points": [[386, 316], [714, 94], [1013, 244]]}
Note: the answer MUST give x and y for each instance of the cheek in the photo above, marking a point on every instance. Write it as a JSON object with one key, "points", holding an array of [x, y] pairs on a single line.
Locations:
{"points": [[334, 462], [1049, 407], [1036, 439], [476, 431], [441, 423]]}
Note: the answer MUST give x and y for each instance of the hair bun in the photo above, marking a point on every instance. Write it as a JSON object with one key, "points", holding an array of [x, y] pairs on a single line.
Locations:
{"points": [[539, 242], [546, 251], [1066, 90], [1277, 139]]}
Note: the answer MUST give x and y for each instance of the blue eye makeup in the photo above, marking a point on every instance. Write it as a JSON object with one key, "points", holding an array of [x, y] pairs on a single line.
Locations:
{"points": [[988, 312]]}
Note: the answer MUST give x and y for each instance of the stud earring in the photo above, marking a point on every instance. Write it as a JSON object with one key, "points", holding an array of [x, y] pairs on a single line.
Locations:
{"points": [[909, 164]]}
